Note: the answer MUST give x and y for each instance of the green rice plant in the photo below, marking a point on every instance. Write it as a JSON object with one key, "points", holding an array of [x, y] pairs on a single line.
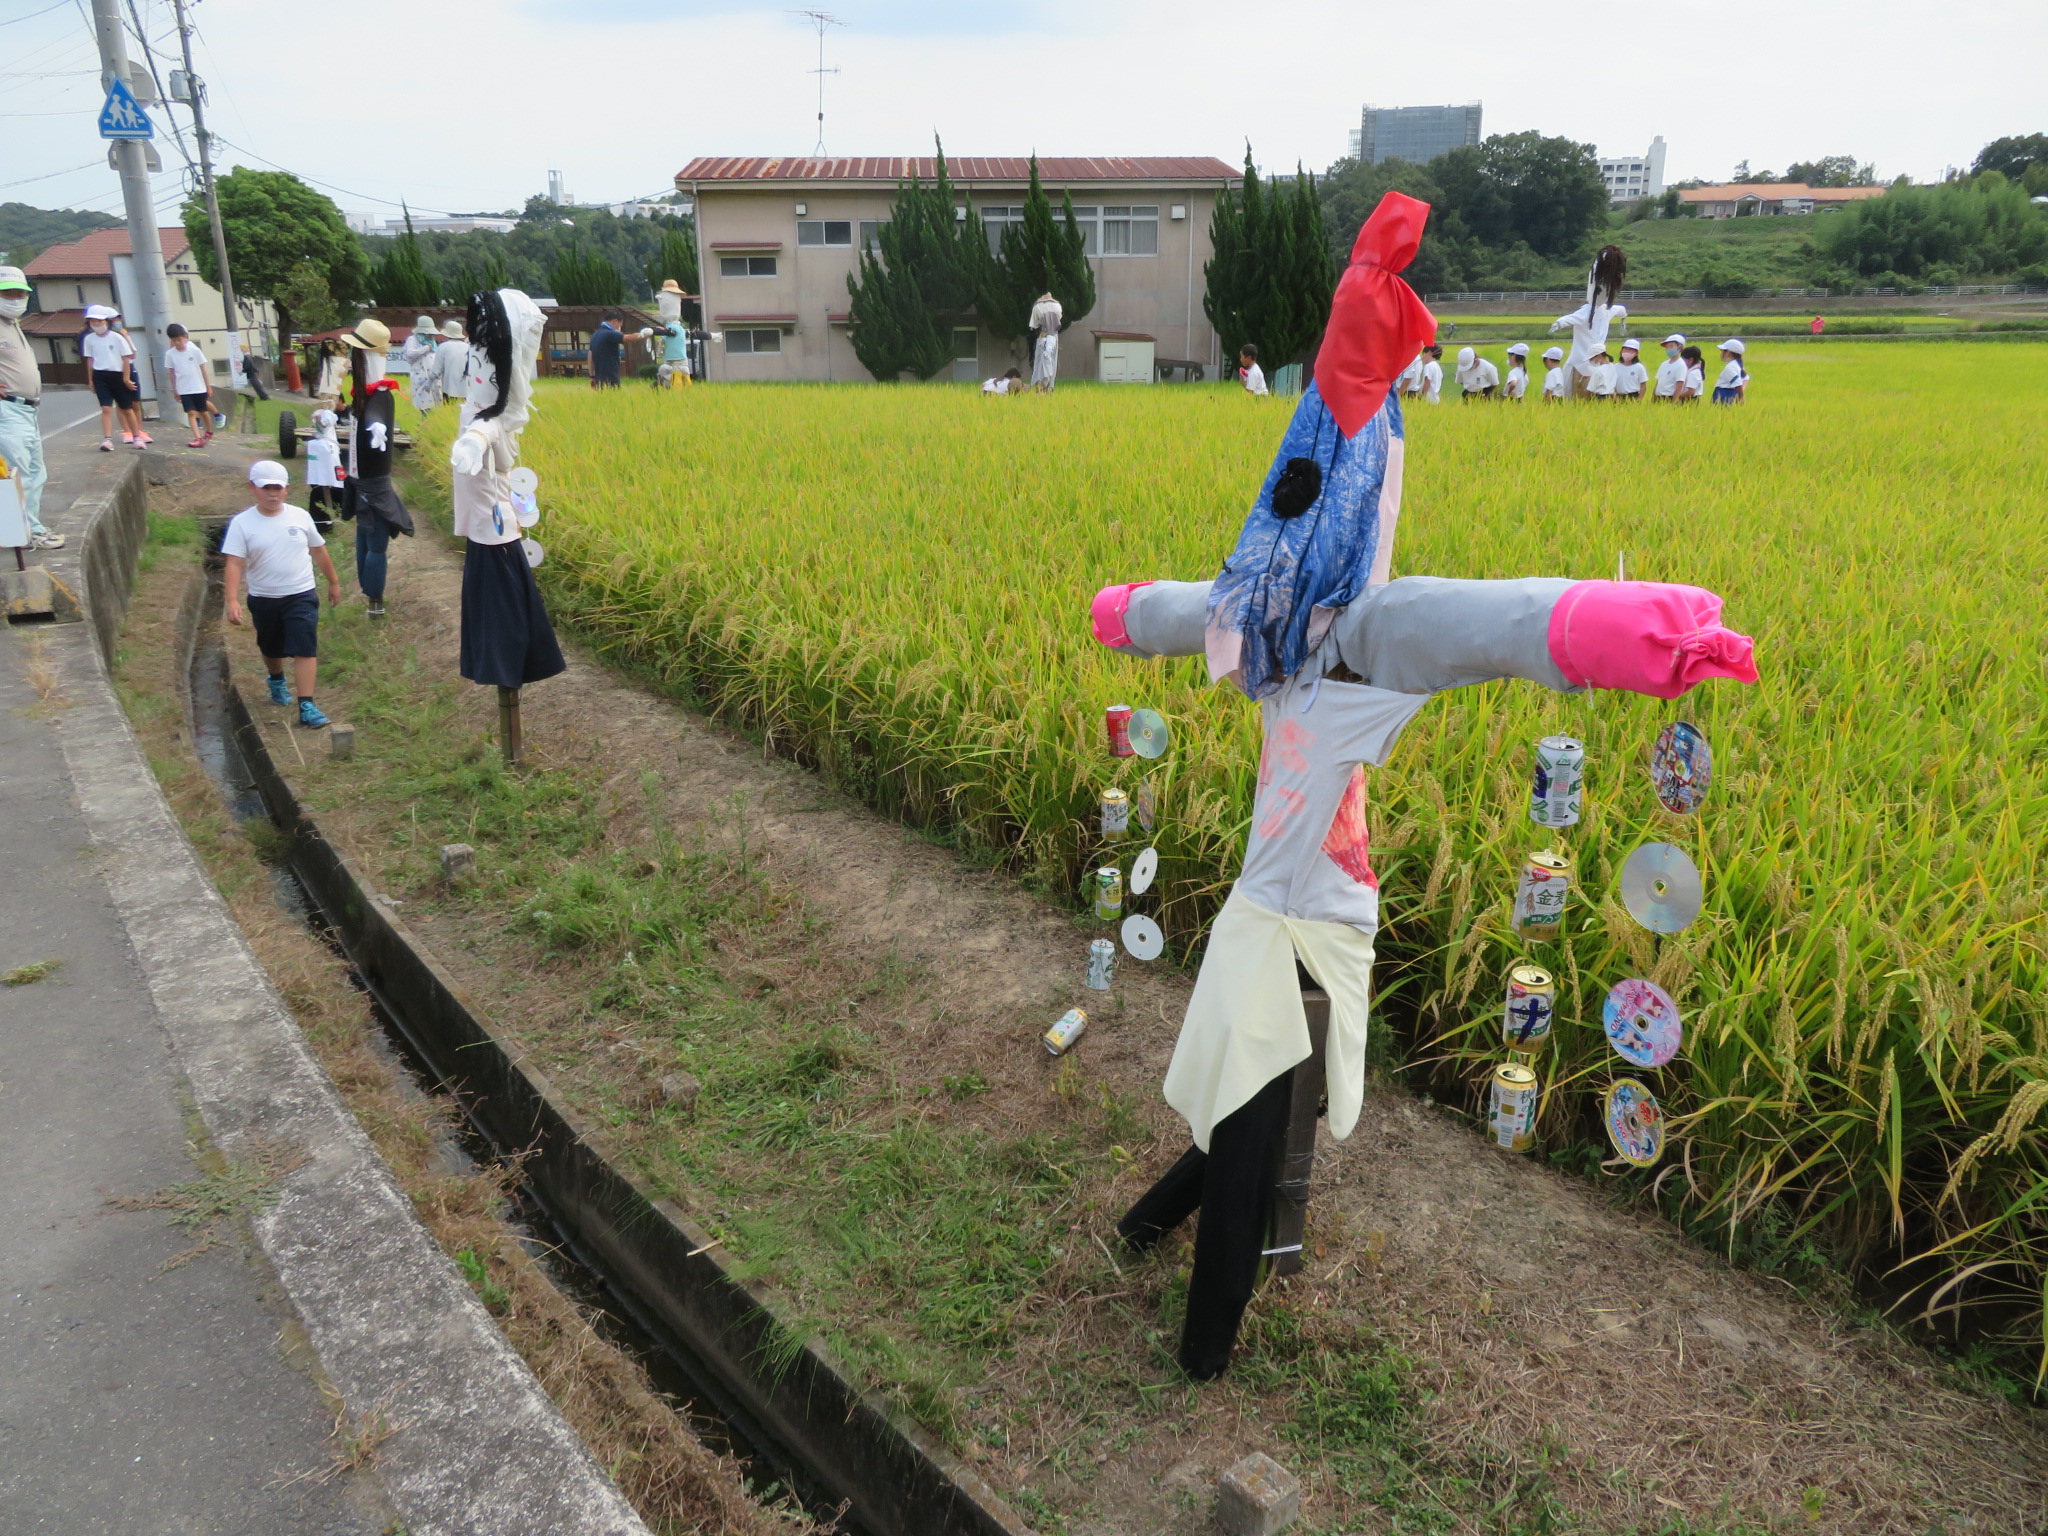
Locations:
{"points": [[891, 586]]}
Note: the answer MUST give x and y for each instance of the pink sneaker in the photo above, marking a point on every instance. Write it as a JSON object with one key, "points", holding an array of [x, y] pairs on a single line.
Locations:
{"points": [[128, 438], [143, 439]]}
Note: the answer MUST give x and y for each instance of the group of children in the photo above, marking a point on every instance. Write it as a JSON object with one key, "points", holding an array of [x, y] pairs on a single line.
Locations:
{"points": [[1679, 379]]}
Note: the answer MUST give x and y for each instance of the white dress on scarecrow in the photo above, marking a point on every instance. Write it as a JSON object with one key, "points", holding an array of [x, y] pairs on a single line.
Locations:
{"points": [[1046, 318], [423, 364]]}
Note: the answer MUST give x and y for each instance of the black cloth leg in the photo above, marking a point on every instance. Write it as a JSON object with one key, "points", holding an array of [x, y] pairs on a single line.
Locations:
{"points": [[1166, 1204], [507, 641], [1238, 1179]]}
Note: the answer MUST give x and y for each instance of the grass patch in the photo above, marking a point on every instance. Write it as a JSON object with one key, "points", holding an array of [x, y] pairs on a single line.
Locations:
{"points": [[224, 1198], [28, 975]]}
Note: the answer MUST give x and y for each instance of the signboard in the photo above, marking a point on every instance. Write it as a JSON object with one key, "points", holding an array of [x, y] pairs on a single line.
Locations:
{"points": [[122, 117]]}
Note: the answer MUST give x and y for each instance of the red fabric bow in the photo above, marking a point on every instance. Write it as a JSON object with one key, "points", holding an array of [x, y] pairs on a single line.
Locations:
{"points": [[1377, 322]]}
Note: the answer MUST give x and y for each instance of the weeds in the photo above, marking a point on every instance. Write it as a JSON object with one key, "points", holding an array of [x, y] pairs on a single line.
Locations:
{"points": [[28, 975], [226, 1197]]}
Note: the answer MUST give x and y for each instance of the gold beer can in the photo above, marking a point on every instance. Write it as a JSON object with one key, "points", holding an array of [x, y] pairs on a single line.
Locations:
{"points": [[1540, 895], [1514, 1107], [1530, 1009]]}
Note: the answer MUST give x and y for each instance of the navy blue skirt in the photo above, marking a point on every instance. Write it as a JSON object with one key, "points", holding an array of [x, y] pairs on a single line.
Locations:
{"points": [[507, 641]]}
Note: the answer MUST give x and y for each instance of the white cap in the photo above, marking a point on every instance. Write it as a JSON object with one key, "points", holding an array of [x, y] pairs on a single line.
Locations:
{"points": [[1465, 357], [1734, 344], [11, 278], [1631, 344], [101, 312], [324, 418], [1553, 355], [1519, 349], [268, 472], [1675, 339]]}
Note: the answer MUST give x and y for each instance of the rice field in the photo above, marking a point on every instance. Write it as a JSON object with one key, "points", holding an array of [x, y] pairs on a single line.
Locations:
{"points": [[891, 584]]}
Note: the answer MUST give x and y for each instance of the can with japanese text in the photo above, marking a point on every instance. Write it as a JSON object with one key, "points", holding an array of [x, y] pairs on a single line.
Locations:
{"points": [[1115, 807], [1531, 1007], [1066, 1029], [1116, 720], [1540, 896], [1109, 893], [1514, 1107], [1558, 781], [1101, 965]]}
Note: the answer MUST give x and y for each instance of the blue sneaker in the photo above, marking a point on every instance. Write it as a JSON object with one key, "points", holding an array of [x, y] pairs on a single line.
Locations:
{"points": [[280, 691], [310, 716]]}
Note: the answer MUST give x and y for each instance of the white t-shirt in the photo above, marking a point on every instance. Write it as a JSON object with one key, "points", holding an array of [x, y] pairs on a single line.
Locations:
{"points": [[1695, 379], [1480, 377], [323, 462], [1670, 374], [1629, 378], [1432, 381], [187, 367], [1254, 378], [1600, 379], [104, 350], [1732, 376], [1553, 382], [1518, 382], [278, 550]]}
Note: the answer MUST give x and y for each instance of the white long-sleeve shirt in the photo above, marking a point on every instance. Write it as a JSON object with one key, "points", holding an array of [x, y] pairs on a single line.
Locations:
{"points": [[1588, 325]]}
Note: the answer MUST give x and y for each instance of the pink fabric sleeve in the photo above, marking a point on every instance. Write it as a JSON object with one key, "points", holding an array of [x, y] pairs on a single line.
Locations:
{"points": [[1650, 637], [1106, 614]]}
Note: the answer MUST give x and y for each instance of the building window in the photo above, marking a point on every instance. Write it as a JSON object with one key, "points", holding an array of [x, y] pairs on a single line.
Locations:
{"points": [[998, 217], [746, 266], [1132, 231], [1089, 220], [824, 232], [871, 234], [752, 343], [184, 290]]}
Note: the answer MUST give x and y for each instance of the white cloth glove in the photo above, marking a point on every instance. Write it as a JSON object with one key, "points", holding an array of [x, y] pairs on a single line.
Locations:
{"points": [[466, 457]]}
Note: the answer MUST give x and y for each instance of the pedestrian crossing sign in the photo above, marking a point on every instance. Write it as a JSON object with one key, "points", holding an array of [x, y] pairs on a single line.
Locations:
{"points": [[122, 117]]}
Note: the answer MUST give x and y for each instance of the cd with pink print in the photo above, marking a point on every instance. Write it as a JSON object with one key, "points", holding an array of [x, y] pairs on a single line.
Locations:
{"points": [[1642, 1023]]}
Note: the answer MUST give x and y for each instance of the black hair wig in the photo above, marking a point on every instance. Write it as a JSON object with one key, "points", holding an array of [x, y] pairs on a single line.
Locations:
{"points": [[491, 329], [1610, 270]]}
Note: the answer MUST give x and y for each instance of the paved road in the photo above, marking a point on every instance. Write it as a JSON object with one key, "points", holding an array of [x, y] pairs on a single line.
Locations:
{"points": [[133, 1398], [66, 411]]}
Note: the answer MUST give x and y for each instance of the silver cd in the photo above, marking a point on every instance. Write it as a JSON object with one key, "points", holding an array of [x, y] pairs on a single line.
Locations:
{"points": [[1143, 868], [523, 481], [533, 552], [1660, 886], [1149, 736], [1143, 938]]}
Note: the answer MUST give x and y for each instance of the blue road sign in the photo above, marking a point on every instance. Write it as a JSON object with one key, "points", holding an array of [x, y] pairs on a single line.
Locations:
{"points": [[122, 117]]}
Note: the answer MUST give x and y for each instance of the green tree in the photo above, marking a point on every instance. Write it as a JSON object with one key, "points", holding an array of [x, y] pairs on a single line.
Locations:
{"points": [[1978, 227], [1040, 255], [273, 222], [585, 277], [304, 297], [1353, 188], [1273, 272], [401, 278], [1550, 188], [1833, 171], [675, 257], [2013, 156], [921, 278]]}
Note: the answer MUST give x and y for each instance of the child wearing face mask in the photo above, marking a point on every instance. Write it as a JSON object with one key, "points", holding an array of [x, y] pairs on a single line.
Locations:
{"points": [[1671, 372], [111, 357], [21, 386]]}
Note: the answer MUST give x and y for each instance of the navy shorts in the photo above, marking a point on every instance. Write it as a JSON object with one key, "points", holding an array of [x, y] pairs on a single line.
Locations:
{"points": [[287, 626], [196, 405], [111, 389]]}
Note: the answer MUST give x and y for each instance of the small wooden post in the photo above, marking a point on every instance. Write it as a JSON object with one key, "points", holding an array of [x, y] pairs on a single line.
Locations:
{"points": [[509, 742], [1298, 1155]]}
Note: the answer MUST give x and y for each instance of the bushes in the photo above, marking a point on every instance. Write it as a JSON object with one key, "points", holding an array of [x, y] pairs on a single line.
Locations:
{"points": [[1960, 230]]}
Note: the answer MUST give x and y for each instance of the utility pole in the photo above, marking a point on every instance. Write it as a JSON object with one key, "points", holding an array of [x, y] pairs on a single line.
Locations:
{"points": [[146, 250], [196, 89]]}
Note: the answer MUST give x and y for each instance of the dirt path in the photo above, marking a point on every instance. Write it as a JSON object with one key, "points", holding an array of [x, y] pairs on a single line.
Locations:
{"points": [[1650, 1382]]}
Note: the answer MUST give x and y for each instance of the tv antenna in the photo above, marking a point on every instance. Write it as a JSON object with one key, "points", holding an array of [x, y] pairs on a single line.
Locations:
{"points": [[821, 20]]}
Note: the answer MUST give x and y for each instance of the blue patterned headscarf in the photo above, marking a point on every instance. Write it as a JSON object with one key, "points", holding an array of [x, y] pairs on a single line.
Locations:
{"points": [[1294, 567]]}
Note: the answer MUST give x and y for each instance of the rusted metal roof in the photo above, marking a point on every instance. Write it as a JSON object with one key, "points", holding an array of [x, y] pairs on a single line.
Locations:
{"points": [[1058, 170]]}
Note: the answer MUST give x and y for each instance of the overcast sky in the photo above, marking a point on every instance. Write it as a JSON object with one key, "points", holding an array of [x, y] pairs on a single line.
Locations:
{"points": [[465, 105]]}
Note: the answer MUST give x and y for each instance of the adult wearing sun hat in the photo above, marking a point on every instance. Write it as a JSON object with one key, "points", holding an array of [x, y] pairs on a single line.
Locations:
{"points": [[453, 356], [21, 388], [422, 364]]}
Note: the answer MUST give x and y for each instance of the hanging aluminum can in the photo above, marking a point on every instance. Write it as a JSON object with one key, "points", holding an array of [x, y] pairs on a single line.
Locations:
{"points": [[1066, 1029], [1558, 782], [1540, 896], [1115, 806], [1101, 965], [1109, 893], [1117, 721], [1531, 1008], [1514, 1107]]}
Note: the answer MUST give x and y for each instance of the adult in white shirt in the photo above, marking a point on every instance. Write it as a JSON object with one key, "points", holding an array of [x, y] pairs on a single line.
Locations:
{"points": [[1631, 377], [1249, 373], [110, 357], [1671, 372], [1431, 388], [1553, 374], [453, 356], [276, 547], [191, 381], [1477, 376], [1732, 385], [1590, 321], [1046, 316], [1517, 385]]}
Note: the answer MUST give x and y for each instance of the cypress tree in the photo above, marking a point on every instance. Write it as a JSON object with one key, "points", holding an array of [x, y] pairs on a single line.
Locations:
{"points": [[1272, 274], [924, 277], [401, 278], [675, 257], [1043, 254]]}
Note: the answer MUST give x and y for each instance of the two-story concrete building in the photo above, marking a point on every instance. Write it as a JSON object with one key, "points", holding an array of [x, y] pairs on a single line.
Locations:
{"points": [[778, 239], [100, 269]]}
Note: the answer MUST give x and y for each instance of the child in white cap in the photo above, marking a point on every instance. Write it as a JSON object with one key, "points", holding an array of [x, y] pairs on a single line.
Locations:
{"points": [[1671, 372], [1734, 379], [1631, 377], [1517, 385], [1553, 373], [1477, 376], [1599, 376], [276, 547], [324, 477]]}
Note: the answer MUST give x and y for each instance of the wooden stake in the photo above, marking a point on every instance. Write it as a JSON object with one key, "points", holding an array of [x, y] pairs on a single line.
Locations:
{"points": [[509, 742]]}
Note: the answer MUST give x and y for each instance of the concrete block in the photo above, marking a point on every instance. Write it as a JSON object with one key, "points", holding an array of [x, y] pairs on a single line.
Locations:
{"points": [[679, 1090], [1257, 1497], [37, 594], [458, 861], [341, 741]]}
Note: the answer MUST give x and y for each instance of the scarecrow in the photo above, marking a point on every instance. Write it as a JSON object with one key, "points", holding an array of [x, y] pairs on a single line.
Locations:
{"points": [[1305, 619], [420, 354], [369, 496], [1046, 318], [1589, 322]]}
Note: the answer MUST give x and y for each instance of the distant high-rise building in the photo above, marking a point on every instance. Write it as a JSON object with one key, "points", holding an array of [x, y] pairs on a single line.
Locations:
{"points": [[1419, 134], [1630, 177]]}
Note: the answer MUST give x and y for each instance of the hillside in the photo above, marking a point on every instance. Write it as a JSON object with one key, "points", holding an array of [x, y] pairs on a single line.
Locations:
{"points": [[26, 231]]}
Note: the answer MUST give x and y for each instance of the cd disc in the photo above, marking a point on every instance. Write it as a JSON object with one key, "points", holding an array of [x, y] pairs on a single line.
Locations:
{"points": [[523, 481], [1634, 1122], [1143, 938], [525, 510], [1660, 886], [1642, 1023], [534, 553], [1681, 767], [1148, 733], [1146, 803], [1143, 868]]}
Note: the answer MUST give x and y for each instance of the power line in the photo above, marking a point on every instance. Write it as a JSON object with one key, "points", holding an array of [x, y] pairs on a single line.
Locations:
{"points": [[32, 15], [69, 171]]}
